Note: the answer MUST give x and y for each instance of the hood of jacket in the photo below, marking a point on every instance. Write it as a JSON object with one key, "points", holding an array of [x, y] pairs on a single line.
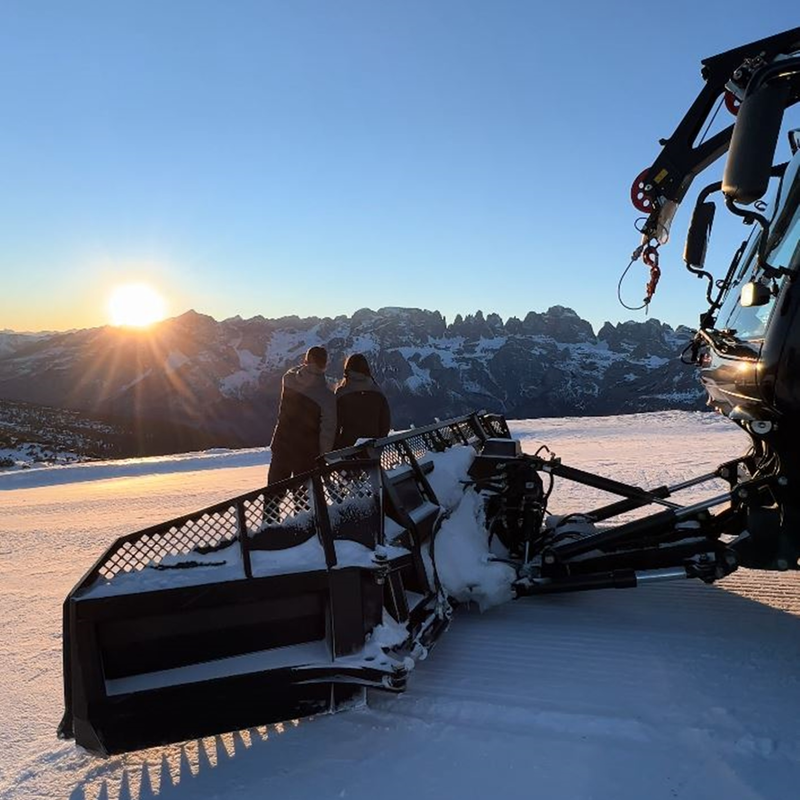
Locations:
{"points": [[357, 382], [305, 378]]}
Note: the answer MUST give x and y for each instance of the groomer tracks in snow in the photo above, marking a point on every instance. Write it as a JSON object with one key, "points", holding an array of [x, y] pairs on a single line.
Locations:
{"points": [[671, 690]]}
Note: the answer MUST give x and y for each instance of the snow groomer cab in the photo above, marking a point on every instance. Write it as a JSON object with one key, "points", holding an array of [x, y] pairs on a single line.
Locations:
{"points": [[747, 347]]}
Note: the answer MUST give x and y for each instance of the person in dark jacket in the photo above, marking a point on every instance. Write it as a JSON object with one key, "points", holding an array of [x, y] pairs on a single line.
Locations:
{"points": [[306, 425], [362, 411]]}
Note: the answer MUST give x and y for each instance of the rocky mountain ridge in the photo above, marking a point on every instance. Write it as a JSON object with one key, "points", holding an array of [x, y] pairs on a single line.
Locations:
{"points": [[201, 382]]}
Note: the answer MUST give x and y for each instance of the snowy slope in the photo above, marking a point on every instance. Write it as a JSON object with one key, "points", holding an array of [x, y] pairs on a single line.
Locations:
{"points": [[675, 690]]}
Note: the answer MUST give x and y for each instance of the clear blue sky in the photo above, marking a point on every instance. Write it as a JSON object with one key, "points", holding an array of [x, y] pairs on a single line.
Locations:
{"points": [[314, 158]]}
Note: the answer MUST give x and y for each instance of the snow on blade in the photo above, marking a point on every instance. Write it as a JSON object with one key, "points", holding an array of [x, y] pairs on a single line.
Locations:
{"points": [[462, 557], [466, 567]]}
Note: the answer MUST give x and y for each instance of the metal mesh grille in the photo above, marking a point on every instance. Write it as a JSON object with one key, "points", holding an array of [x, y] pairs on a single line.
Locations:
{"points": [[395, 455], [205, 533], [496, 426], [291, 507], [450, 437], [346, 485], [489, 426], [465, 431], [418, 446], [281, 507], [254, 513], [353, 500], [446, 436], [392, 456]]}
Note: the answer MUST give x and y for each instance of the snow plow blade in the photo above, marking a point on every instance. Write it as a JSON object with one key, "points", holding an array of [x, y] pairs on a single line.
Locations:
{"points": [[281, 603], [295, 599]]}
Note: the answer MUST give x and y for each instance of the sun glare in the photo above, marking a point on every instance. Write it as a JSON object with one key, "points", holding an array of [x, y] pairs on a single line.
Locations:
{"points": [[136, 305]]}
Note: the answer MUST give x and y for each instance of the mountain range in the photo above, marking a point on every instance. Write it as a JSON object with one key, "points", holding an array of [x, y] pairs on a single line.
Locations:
{"points": [[192, 381]]}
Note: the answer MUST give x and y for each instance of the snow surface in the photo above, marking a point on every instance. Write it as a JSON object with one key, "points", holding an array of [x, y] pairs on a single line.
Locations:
{"points": [[28, 455], [53, 475], [419, 378], [249, 374], [674, 690]]}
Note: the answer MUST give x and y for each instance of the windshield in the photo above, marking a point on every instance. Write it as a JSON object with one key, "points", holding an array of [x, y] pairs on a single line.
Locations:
{"points": [[744, 323], [750, 324], [785, 249]]}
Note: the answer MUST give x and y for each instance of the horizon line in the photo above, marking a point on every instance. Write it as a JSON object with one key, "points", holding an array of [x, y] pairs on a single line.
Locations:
{"points": [[384, 309]]}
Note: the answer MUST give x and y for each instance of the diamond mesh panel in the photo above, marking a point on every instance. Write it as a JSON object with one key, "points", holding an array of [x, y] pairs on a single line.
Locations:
{"points": [[496, 426], [254, 513], [290, 508], [347, 484], [281, 507], [352, 496], [464, 429], [449, 438], [418, 446], [490, 426], [392, 456], [206, 532]]}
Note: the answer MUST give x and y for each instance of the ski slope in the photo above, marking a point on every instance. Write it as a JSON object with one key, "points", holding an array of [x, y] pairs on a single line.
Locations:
{"points": [[672, 690]]}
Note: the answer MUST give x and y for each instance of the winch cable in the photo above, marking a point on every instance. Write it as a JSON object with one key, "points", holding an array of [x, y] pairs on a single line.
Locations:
{"points": [[634, 259], [648, 251], [711, 119], [689, 348]]}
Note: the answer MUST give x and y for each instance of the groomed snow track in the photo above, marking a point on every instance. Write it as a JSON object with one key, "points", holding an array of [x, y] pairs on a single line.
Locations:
{"points": [[693, 691], [676, 690]]}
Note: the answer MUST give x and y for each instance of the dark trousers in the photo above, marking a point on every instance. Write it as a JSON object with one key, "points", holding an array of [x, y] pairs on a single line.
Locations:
{"points": [[285, 464]]}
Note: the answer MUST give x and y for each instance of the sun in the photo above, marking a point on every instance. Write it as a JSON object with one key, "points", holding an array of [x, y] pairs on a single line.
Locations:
{"points": [[136, 305]]}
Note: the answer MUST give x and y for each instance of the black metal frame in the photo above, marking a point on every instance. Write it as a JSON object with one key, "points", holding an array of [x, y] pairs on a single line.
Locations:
{"points": [[680, 160], [137, 663], [134, 656], [679, 541]]}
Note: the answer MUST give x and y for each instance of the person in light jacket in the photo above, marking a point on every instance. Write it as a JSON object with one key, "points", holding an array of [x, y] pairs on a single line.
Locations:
{"points": [[306, 425], [362, 411]]}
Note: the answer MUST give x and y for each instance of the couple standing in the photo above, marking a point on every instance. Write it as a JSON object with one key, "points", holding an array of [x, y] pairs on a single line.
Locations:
{"points": [[312, 420]]}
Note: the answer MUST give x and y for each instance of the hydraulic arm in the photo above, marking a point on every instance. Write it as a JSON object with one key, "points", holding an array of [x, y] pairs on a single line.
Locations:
{"points": [[659, 189]]}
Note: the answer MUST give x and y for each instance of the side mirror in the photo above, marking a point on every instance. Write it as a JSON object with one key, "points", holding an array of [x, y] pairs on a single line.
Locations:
{"points": [[755, 136], [755, 293], [694, 252]]}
